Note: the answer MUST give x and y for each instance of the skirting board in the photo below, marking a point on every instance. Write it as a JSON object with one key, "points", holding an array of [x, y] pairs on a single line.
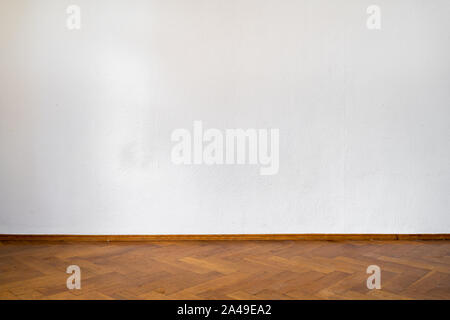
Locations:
{"points": [[218, 237]]}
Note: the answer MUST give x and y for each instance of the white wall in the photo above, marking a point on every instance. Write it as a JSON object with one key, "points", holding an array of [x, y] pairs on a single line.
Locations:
{"points": [[86, 116]]}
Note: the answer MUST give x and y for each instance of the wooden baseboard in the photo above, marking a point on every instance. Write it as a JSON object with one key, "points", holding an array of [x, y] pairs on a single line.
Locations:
{"points": [[218, 237]]}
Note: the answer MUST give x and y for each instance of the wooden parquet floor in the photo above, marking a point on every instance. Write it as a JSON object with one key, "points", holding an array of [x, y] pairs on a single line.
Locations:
{"points": [[225, 269]]}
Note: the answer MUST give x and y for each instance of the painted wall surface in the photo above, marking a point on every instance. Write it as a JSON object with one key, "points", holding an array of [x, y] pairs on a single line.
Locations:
{"points": [[86, 116]]}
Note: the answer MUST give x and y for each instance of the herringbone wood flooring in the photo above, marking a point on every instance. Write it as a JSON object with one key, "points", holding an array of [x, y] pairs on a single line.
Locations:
{"points": [[225, 269]]}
